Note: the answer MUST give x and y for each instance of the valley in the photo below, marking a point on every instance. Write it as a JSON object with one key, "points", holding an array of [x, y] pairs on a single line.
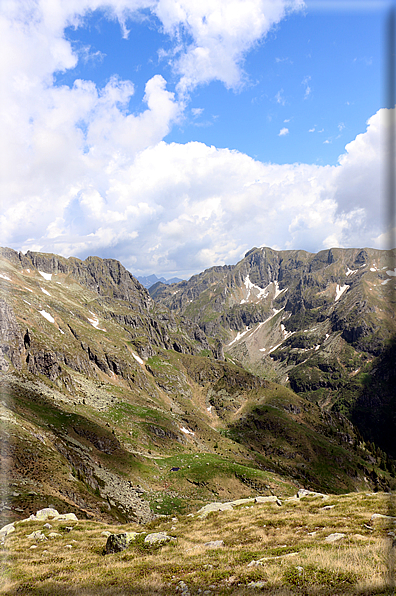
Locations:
{"points": [[120, 405]]}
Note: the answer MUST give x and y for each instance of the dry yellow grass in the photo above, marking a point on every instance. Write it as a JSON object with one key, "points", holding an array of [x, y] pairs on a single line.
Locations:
{"points": [[289, 539]]}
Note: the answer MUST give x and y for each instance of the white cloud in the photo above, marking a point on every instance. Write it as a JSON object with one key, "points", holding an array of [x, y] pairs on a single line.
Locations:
{"points": [[308, 89], [220, 34], [82, 175], [197, 112], [279, 98], [283, 132]]}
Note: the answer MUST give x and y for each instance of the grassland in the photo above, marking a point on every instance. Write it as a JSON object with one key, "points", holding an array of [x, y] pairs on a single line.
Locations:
{"points": [[287, 545]]}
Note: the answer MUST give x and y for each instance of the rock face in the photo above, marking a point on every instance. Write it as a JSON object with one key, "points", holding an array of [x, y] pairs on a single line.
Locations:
{"points": [[320, 322], [11, 341]]}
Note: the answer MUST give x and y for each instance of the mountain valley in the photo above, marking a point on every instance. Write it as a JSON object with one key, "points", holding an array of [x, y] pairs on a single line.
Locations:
{"points": [[259, 378]]}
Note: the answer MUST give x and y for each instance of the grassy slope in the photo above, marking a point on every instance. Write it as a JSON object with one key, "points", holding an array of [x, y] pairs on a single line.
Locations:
{"points": [[289, 539]]}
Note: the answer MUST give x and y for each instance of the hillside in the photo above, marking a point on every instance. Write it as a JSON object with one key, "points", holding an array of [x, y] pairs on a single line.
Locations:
{"points": [[117, 408], [310, 544], [322, 324]]}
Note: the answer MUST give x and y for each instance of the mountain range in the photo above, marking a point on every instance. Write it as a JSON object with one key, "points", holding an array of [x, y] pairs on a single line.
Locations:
{"points": [[273, 374], [149, 280]]}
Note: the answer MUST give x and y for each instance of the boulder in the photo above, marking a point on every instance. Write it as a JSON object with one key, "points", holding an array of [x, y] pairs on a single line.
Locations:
{"points": [[303, 492], [377, 516], [37, 535], [215, 544], [67, 517], [271, 499], [206, 509], [334, 537], [6, 530], [242, 501], [119, 542], [157, 538], [44, 514]]}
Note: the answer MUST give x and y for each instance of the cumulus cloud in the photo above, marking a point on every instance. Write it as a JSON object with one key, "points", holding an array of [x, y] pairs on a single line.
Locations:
{"points": [[82, 175], [182, 208], [283, 132], [214, 37]]}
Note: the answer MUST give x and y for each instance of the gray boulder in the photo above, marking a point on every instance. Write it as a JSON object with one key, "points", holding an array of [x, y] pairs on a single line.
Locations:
{"points": [[334, 537], [157, 538], [119, 542]]}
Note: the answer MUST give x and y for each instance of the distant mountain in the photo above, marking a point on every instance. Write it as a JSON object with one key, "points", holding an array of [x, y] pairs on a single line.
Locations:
{"points": [[149, 280]]}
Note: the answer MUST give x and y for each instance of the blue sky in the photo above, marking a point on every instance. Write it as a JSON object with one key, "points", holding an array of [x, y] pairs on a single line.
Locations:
{"points": [[175, 135], [318, 70]]}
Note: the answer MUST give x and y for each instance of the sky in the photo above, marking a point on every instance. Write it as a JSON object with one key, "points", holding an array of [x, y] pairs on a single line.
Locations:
{"points": [[175, 135]]}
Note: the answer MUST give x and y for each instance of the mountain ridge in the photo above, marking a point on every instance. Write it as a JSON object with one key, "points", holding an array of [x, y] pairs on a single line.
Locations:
{"points": [[119, 408]]}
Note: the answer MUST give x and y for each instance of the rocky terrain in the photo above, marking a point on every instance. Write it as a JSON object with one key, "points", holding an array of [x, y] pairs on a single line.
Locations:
{"points": [[324, 324], [121, 406]]}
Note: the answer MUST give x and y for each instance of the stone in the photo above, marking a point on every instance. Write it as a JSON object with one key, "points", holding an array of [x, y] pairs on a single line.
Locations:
{"points": [[67, 517], [381, 516], [44, 514], [271, 499], [37, 535], [242, 501], [47, 526], [54, 534], [334, 537], [6, 530], [303, 492], [215, 544], [206, 509], [157, 538], [259, 584], [119, 542]]}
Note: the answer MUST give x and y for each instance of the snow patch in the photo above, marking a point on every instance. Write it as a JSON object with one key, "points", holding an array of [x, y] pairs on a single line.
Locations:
{"points": [[239, 336], [29, 290], [317, 347], [383, 283], [209, 409], [47, 316], [95, 322], [373, 269], [274, 348], [45, 291], [277, 290], [186, 431], [340, 290], [46, 276], [27, 302], [28, 270], [350, 271], [391, 273], [137, 358], [251, 288], [58, 282], [4, 276], [63, 333]]}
